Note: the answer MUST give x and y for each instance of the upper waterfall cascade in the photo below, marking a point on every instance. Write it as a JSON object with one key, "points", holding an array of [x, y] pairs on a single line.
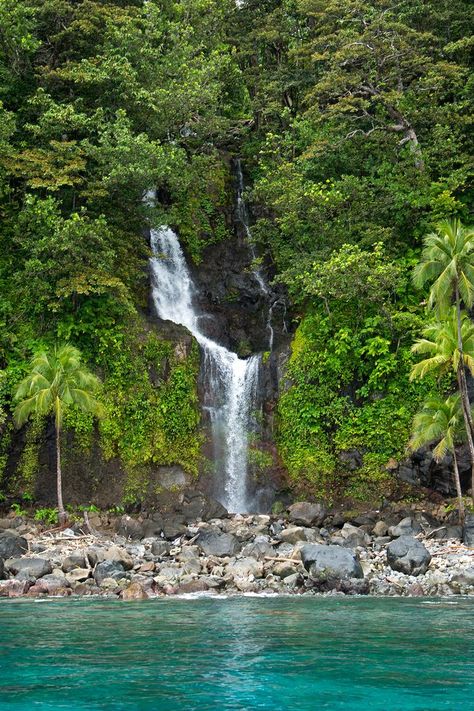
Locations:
{"points": [[230, 382]]}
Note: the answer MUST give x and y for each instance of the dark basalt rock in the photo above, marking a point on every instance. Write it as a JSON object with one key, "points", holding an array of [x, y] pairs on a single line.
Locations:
{"points": [[408, 555], [214, 542], [109, 569], [30, 567], [468, 530], [12, 545], [330, 562], [130, 528], [304, 513]]}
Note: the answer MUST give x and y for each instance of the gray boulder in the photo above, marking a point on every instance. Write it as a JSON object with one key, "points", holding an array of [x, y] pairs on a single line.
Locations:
{"points": [[330, 562], [293, 534], [174, 526], [305, 514], [152, 528], [12, 545], [75, 560], [467, 534], [130, 528], [407, 527], [109, 569], [259, 550], [160, 548], [2, 569], [408, 555], [30, 567], [245, 567], [214, 542], [353, 536]]}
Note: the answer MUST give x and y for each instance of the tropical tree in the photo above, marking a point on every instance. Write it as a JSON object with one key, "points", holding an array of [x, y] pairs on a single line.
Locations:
{"points": [[440, 345], [447, 262], [57, 379], [441, 421]]}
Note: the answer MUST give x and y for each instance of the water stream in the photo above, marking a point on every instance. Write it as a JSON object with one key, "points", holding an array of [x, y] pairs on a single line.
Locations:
{"points": [[230, 382]]}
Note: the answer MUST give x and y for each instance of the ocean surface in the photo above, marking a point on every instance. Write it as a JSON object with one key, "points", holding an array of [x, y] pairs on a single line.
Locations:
{"points": [[305, 654]]}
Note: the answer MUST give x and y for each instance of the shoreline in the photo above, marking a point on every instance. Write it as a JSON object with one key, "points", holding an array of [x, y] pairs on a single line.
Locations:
{"points": [[305, 552]]}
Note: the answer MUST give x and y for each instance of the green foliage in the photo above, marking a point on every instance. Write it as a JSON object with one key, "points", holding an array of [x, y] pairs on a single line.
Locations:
{"points": [[47, 516], [150, 394], [17, 510]]}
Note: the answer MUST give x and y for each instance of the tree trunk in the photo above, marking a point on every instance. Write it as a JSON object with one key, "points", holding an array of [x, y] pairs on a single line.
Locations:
{"points": [[467, 426], [462, 385], [457, 482], [62, 516]]}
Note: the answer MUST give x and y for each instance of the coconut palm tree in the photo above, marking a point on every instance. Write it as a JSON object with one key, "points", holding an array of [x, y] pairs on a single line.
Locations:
{"points": [[440, 345], [447, 262], [441, 421], [57, 380]]}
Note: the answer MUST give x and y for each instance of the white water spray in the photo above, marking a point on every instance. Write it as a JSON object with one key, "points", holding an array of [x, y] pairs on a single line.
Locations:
{"points": [[230, 382]]}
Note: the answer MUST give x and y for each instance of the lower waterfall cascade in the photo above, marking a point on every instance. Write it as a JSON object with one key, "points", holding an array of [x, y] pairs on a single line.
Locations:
{"points": [[230, 382]]}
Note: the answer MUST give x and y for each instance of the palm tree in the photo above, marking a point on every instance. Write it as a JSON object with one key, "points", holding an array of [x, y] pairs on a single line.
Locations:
{"points": [[447, 261], [440, 345], [56, 380], [441, 421]]}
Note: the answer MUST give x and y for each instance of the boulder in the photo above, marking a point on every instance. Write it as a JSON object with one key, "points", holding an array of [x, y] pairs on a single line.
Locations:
{"points": [[75, 560], [160, 548], [12, 545], [152, 528], [52, 582], [130, 528], [10, 522], [198, 506], [305, 514], [2, 569], [95, 554], [293, 535], [330, 562], [174, 526], [285, 569], [467, 534], [380, 529], [14, 588], [214, 542], [259, 550], [408, 555], [194, 586], [78, 575], [30, 567], [407, 527], [111, 569], [120, 555], [134, 592], [245, 568], [353, 536]]}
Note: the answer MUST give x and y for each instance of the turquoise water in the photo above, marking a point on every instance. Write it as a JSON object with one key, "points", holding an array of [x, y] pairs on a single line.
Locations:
{"points": [[242, 653]]}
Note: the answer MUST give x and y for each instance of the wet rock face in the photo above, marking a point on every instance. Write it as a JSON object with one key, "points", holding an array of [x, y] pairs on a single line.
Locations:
{"points": [[422, 470]]}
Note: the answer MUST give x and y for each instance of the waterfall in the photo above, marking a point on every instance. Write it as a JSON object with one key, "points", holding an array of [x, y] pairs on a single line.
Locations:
{"points": [[243, 218], [230, 382]]}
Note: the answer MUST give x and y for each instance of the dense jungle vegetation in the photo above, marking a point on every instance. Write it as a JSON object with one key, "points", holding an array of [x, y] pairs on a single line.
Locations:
{"points": [[354, 120]]}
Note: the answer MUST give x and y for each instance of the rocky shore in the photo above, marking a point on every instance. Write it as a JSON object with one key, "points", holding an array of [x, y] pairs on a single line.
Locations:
{"points": [[306, 550]]}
